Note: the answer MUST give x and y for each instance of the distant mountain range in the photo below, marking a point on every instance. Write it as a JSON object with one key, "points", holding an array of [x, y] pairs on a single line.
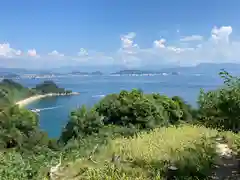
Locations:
{"points": [[204, 68]]}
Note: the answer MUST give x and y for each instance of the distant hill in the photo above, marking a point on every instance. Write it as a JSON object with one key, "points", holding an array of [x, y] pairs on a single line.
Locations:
{"points": [[122, 72], [79, 73], [16, 72], [86, 73], [204, 68], [97, 73], [138, 72]]}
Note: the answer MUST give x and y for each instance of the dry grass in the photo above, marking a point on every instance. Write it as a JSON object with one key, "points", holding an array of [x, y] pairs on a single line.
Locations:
{"points": [[148, 155]]}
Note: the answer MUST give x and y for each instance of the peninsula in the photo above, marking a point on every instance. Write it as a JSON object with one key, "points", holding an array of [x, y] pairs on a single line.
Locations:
{"points": [[12, 92]]}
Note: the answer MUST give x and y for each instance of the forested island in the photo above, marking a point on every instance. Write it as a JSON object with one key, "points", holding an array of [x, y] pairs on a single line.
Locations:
{"points": [[130, 135], [95, 73]]}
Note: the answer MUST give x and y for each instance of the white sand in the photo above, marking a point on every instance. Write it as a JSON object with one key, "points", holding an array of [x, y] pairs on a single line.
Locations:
{"points": [[29, 100]]}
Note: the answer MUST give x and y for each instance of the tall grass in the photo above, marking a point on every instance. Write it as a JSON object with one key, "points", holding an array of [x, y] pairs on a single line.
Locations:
{"points": [[148, 155]]}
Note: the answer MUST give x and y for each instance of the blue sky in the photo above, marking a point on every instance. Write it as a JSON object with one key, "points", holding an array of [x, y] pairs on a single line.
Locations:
{"points": [[133, 33]]}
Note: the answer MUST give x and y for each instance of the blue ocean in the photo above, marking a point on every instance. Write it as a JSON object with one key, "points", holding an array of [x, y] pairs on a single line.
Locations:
{"points": [[93, 88]]}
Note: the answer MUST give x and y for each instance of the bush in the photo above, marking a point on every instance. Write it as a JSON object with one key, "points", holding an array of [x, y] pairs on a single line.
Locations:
{"points": [[19, 129], [188, 113], [138, 110], [126, 112], [82, 123], [221, 108]]}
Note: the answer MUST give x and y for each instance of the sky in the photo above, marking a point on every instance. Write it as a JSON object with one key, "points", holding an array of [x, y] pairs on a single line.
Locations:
{"points": [[128, 33]]}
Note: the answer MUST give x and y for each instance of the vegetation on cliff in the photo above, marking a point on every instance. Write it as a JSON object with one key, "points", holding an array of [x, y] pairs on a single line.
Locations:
{"points": [[50, 87], [130, 135], [11, 91]]}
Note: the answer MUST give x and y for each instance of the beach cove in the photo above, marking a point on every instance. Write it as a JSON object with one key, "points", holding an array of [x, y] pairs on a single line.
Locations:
{"points": [[31, 99]]}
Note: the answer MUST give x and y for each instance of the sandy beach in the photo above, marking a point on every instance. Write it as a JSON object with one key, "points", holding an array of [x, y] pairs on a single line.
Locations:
{"points": [[29, 100]]}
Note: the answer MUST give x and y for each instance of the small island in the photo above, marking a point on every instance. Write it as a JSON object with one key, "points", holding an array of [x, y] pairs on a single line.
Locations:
{"points": [[95, 73]]}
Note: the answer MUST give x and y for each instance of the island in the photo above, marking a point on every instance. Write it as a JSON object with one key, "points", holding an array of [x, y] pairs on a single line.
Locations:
{"points": [[95, 73], [79, 73]]}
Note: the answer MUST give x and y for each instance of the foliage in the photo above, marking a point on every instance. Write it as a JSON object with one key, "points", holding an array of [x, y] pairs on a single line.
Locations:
{"points": [[188, 113], [81, 123], [127, 113], [221, 108], [19, 129], [139, 110], [49, 87], [11, 91], [137, 135], [148, 155]]}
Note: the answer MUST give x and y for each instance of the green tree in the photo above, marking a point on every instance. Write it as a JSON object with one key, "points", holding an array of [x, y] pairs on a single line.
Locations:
{"points": [[137, 109], [82, 122], [221, 108]]}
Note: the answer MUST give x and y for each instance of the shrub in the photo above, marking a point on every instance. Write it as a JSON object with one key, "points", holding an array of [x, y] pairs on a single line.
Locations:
{"points": [[82, 122], [221, 108], [139, 110]]}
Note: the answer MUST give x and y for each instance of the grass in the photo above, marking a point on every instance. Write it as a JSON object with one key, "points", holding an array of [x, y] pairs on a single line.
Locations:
{"points": [[148, 155]]}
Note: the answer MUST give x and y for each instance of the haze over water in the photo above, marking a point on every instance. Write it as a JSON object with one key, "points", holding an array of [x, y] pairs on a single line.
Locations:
{"points": [[93, 88]]}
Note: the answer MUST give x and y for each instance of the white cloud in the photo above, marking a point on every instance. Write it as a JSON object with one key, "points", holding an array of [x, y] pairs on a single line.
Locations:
{"points": [[216, 47], [8, 52], [222, 33], [55, 53], [127, 43], [159, 43], [32, 53], [127, 54], [192, 38], [83, 52]]}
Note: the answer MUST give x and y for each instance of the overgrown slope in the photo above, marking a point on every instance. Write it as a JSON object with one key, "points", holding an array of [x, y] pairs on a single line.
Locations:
{"points": [[130, 135], [151, 155]]}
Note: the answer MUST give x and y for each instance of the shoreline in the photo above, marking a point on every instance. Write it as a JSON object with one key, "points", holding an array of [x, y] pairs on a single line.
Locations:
{"points": [[31, 99]]}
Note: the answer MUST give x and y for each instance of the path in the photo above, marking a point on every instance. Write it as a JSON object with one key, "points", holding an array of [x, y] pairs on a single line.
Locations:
{"points": [[228, 166]]}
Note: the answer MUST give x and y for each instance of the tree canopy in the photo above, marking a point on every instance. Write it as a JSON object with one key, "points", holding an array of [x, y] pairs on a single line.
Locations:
{"points": [[49, 87]]}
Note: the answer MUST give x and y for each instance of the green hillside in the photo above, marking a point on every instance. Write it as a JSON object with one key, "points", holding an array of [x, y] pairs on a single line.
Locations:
{"points": [[130, 135], [11, 92]]}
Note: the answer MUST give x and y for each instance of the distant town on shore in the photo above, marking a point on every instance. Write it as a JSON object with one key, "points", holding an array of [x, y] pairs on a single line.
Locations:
{"points": [[204, 68]]}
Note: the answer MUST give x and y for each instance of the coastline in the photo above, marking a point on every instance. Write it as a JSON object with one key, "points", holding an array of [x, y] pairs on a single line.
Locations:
{"points": [[31, 99]]}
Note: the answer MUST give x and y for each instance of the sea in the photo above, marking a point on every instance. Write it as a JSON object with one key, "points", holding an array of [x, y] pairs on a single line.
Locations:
{"points": [[55, 110]]}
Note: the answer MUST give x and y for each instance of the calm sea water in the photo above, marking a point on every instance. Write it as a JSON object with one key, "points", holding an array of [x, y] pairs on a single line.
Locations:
{"points": [[93, 88]]}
